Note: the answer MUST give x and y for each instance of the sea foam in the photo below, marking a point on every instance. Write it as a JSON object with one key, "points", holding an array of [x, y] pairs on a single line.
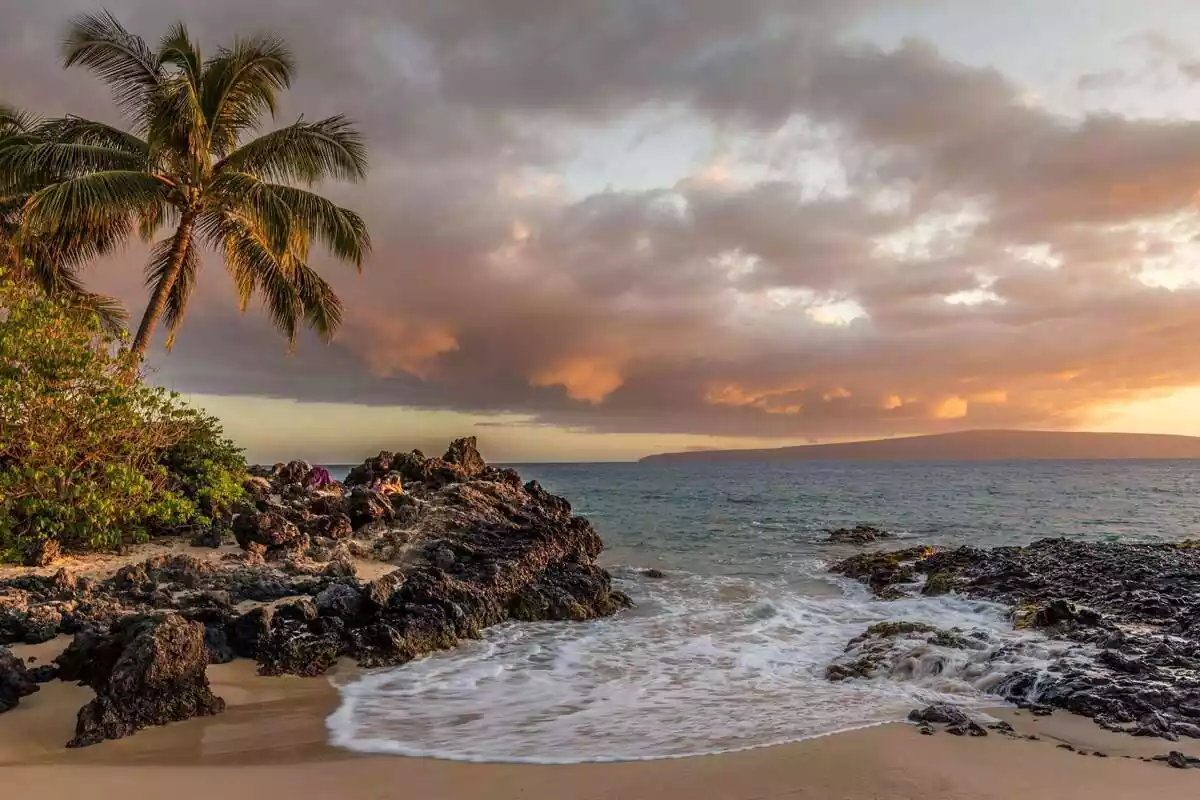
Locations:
{"points": [[704, 664]]}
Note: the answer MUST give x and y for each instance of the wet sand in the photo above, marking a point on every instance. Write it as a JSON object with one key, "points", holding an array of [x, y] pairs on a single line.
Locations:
{"points": [[271, 742]]}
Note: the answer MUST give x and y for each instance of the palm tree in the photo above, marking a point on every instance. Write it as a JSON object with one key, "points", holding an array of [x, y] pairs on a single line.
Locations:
{"points": [[186, 164], [51, 264]]}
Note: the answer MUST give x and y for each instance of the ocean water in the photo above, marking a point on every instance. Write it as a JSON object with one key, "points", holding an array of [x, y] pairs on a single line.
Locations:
{"points": [[729, 650]]}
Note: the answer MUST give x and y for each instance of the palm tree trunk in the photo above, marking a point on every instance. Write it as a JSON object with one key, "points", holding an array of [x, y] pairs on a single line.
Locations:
{"points": [[158, 301]]}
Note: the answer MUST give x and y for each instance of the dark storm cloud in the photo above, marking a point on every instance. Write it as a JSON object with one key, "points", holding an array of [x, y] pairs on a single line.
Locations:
{"points": [[719, 304]]}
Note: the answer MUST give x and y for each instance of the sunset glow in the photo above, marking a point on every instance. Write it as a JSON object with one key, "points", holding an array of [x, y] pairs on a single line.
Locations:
{"points": [[702, 225]]}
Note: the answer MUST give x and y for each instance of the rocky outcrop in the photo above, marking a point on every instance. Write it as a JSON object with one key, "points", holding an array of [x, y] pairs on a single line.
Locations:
{"points": [[464, 454], [269, 529], [148, 670], [479, 553], [364, 506], [470, 546], [904, 650], [35, 609], [461, 463], [885, 572], [1178, 760], [859, 534], [15, 680], [1129, 613], [42, 553], [953, 719]]}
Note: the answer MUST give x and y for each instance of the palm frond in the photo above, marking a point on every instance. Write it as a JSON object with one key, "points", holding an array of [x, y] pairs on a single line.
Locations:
{"points": [[256, 268], [71, 189], [306, 152], [14, 121], [181, 289], [65, 285], [99, 42], [113, 316], [247, 197], [77, 130], [14, 181], [83, 202], [73, 248], [322, 307], [177, 127], [41, 162], [218, 228], [179, 51], [240, 87], [61, 281], [342, 231], [279, 209], [292, 292], [16, 135], [10, 228], [155, 218], [179, 115]]}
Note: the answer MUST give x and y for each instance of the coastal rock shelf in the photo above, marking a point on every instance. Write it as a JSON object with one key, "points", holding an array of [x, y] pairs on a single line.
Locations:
{"points": [[1128, 613], [463, 546]]}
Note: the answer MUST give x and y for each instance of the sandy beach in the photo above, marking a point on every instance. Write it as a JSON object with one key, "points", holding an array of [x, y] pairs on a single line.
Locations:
{"points": [[272, 741]]}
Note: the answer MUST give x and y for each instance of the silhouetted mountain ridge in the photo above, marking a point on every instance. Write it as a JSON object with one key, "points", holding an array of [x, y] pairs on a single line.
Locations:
{"points": [[978, 445]]}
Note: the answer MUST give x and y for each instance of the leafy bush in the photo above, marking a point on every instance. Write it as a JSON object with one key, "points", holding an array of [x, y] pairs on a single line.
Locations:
{"points": [[205, 467], [89, 454]]}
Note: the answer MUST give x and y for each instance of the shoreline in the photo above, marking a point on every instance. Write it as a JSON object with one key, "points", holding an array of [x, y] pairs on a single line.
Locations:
{"points": [[273, 738], [422, 569]]}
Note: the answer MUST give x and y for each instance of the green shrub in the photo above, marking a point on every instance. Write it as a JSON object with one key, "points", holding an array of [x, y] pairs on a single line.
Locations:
{"points": [[89, 454], [205, 467]]}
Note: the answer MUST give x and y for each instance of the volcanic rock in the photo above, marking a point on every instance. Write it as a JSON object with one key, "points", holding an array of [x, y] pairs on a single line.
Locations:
{"points": [[268, 529], [365, 506], [15, 680], [42, 553], [471, 547], [147, 671], [883, 570], [1125, 613], [293, 472], [464, 454], [859, 534]]}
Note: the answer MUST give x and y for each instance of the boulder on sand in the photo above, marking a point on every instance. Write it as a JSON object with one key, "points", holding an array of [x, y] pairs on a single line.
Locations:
{"points": [[42, 553], [955, 719], [268, 529], [15, 680], [147, 671]]}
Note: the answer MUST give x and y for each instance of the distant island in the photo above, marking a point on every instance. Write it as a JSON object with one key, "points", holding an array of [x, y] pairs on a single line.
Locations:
{"points": [[980, 445]]}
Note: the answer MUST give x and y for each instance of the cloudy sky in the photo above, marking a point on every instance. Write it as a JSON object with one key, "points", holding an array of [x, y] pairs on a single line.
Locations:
{"points": [[605, 228]]}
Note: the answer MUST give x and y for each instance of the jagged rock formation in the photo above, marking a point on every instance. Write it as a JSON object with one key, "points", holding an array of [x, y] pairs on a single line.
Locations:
{"points": [[469, 555], [471, 546], [146, 671], [15, 680], [1130, 611]]}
